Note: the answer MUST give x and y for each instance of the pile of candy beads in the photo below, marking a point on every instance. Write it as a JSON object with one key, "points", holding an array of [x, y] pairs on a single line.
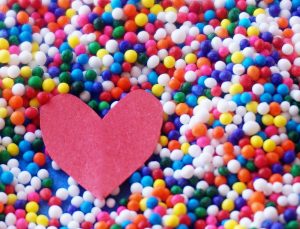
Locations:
{"points": [[227, 75]]}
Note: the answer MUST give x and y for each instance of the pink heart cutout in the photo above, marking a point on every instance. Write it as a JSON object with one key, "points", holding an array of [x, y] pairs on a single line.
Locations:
{"points": [[100, 154]]}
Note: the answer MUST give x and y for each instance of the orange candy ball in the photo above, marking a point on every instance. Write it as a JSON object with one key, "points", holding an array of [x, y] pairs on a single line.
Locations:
{"points": [[22, 17], [17, 118], [130, 10], [199, 129], [253, 72], [174, 84], [181, 109], [101, 225], [15, 102], [116, 92], [39, 159], [133, 205], [7, 94], [65, 4], [218, 132], [274, 109], [257, 197], [228, 147], [244, 175], [256, 206], [173, 144], [248, 151], [124, 83]]}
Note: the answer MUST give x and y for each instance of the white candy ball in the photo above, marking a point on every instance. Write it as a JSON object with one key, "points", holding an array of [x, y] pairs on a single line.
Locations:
{"points": [[287, 49], [178, 36], [55, 211], [190, 76], [233, 166], [187, 171], [251, 128], [169, 107]]}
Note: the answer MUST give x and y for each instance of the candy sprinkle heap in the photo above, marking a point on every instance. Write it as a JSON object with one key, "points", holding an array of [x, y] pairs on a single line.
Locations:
{"points": [[227, 75]]}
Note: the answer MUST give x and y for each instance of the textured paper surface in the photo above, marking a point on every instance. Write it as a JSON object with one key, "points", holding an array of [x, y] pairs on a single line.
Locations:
{"points": [[100, 154]]}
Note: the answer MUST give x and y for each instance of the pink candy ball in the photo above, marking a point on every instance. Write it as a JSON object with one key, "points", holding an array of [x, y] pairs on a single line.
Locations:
{"points": [[103, 216], [14, 49], [160, 210], [22, 224], [203, 141], [33, 196]]}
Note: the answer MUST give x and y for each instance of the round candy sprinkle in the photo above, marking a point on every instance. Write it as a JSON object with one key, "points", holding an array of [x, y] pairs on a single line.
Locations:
{"points": [[226, 73]]}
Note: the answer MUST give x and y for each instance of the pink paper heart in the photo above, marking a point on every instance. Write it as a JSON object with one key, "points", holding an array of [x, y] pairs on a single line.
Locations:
{"points": [[100, 154]]}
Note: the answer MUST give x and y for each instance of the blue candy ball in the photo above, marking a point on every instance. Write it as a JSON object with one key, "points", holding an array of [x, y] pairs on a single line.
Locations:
{"points": [[6, 177]]}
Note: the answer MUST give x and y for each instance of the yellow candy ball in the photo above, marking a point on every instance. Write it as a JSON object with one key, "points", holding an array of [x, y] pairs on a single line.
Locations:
{"points": [[230, 224], [239, 227], [269, 145], [159, 183], [239, 187], [190, 58], [256, 141], [35, 47], [170, 9], [252, 31], [34, 103], [226, 118], [236, 89], [48, 85], [13, 149], [171, 221], [228, 205], [143, 204], [185, 147], [3, 112], [11, 199], [101, 53], [252, 106], [7, 82], [225, 23], [130, 56], [108, 8], [42, 220], [32, 207], [70, 13], [258, 11], [162, 204], [31, 217], [237, 57], [169, 61], [4, 43], [4, 56], [163, 140], [148, 3], [280, 121], [157, 8], [141, 19], [201, 98], [157, 90], [63, 88], [267, 119], [73, 41], [179, 209], [26, 71]]}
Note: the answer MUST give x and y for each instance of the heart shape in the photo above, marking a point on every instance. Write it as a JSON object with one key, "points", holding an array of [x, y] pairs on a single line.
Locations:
{"points": [[100, 154]]}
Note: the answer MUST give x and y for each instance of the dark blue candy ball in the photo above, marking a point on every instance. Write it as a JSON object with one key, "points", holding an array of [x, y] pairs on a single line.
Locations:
{"points": [[289, 214], [274, 10], [289, 157]]}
